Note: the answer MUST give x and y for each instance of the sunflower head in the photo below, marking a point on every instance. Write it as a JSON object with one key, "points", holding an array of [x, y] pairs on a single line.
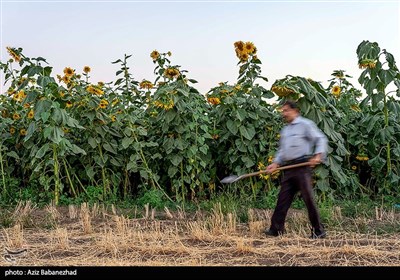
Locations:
{"points": [[66, 79], [214, 100], [86, 69], [336, 91], [16, 116], [31, 114], [171, 73], [103, 104], [145, 84], [155, 55], [69, 72], [239, 45], [250, 48], [367, 63], [13, 52]]}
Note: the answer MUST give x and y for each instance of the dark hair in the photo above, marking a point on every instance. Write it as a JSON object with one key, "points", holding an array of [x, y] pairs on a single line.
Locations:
{"points": [[292, 104]]}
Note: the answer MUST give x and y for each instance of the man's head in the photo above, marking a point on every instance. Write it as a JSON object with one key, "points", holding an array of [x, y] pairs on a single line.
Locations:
{"points": [[289, 110]]}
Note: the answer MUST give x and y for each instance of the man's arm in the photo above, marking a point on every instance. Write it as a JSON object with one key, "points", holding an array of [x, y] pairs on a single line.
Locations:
{"points": [[320, 143]]}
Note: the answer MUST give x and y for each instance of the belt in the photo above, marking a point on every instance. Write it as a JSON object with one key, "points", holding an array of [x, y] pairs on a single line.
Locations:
{"points": [[296, 160]]}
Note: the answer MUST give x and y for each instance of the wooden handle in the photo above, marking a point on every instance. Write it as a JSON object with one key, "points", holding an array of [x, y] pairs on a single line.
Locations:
{"points": [[279, 168], [294, 165]]}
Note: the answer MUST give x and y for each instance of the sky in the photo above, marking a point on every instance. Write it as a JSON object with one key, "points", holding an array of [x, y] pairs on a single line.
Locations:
{"points": [[300, 38]]}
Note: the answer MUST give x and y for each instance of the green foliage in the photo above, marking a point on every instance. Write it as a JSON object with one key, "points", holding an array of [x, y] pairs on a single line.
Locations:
{"points": [[67, 139], [6, 218], [154, 197], [267, 199], [380, 72]]}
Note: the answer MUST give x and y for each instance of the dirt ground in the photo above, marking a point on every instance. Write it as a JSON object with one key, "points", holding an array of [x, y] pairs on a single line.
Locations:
{"points": [[96, 236]]}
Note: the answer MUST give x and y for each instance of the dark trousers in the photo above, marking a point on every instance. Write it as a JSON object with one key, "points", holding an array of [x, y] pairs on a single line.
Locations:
{"points": [[294, 180]]}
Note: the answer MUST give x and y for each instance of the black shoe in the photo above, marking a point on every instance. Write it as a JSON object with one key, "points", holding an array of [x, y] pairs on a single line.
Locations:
{"points": [[318, 235], [271, 232]]}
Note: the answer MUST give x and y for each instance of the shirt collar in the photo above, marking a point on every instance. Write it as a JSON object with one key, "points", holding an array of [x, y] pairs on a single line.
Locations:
{"points": [[296, 120]]}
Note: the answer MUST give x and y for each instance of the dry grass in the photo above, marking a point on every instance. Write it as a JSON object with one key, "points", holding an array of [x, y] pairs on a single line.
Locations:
{"points": [[96, 237]]}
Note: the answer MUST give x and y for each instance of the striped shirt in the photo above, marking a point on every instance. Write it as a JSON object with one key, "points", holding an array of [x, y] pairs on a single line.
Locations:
{"points": [[300, 138]]}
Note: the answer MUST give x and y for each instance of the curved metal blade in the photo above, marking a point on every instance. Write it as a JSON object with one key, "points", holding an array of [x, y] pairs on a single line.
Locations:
{"points": [[229, 179]]}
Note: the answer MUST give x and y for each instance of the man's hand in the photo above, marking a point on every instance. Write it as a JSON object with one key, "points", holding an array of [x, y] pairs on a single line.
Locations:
{"points": [[272, 167], [315, 160]]}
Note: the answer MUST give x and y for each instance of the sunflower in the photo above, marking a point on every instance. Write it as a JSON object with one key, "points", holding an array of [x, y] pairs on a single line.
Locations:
{"points": [[66, 79], [86, 69], [336, 91], [114, 102], [69, 72], [166, 106], [362, 157], [22, 132], [249, 47], [94, 90], [155, 55], [171, 73], [22, 94], [282, 91], [12, 130], [367, 63], [244, 57], [260, 167], [68, 104], [113, 118], [214, 100], [354, 167], [17, 97], [103, 104], [16, 116], [31, 114], [14, 54], [239, 45], [355, 107], [145, 84]]}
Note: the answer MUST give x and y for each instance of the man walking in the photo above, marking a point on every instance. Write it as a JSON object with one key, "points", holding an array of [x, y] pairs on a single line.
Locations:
{"points": [[300, 141]]}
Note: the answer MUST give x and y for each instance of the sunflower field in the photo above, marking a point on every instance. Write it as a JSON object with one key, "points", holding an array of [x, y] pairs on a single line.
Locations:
{"points": [[64, 136]]}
